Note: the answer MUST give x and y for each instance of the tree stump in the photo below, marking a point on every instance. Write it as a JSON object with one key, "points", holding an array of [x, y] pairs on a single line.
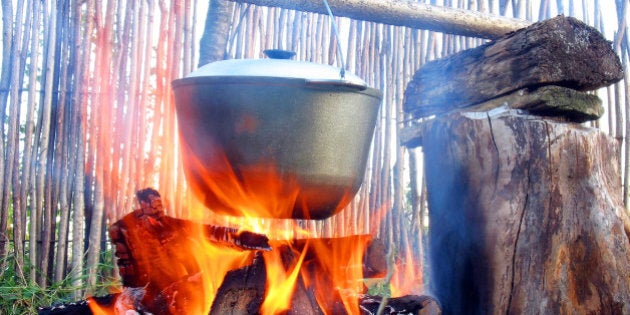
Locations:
{"points": [[526, 216]]}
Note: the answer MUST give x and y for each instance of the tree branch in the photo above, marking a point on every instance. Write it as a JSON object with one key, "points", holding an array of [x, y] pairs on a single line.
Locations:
{"points": [[409, 14]]}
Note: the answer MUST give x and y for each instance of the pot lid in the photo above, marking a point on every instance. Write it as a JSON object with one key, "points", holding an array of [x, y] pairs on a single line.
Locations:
{"points": [[278, 66]]}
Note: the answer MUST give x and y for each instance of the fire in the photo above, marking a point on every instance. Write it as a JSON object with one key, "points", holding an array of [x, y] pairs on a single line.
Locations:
{"points": [[233, 194], [179, 265], [407, 275], [341, 260], [280, 282]]}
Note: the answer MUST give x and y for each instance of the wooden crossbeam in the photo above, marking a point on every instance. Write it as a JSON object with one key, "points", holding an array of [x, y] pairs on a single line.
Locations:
{"points": [[406, 13]]}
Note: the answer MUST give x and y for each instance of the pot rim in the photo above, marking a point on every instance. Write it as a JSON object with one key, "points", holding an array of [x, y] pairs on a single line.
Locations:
{"points": [[337, 85]]}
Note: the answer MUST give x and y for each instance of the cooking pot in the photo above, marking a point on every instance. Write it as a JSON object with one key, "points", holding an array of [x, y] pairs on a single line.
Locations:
{"points": [[274, 137]]}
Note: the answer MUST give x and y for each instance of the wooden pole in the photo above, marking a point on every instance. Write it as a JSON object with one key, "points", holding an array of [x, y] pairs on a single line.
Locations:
{"points": [[409, 14], [213, 42]]}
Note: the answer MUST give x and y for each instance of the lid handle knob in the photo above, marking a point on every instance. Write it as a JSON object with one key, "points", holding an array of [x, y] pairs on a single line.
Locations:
{"points": [[279, 53]]}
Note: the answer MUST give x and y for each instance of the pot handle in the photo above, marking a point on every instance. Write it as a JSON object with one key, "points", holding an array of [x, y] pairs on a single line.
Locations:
{"points": [[333, 82]]}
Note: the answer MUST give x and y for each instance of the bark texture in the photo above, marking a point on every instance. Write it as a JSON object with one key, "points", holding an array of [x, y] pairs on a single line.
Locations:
{"points": [[526, 216], [215, 33], [561, 51]]}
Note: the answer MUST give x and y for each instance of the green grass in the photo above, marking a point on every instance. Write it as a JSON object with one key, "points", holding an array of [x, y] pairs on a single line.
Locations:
{"points": [[18, 296]]}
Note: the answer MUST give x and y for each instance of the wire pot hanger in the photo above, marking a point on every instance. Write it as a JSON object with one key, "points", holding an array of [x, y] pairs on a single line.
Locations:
{"points": [[342, 72]]}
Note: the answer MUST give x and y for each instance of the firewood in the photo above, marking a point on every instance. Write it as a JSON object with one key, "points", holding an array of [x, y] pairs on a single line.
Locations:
{"points": [[408, 304], [149, 225], [129, 299], [561, 51], [151, 250], [242, 290], [76, 308], [157, 279], [374, 262]]}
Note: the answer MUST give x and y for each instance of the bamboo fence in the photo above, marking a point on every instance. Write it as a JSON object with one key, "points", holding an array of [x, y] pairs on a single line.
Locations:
{"points": [[88, 116]]}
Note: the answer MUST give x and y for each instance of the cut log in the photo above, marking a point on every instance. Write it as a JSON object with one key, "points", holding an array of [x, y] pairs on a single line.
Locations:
{"points": [[526, 216], [560, 51], [408, 13]]}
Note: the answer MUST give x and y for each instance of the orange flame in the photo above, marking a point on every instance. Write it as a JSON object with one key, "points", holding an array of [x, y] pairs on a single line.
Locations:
{"points": [[341, 261], [96, 308], [280, 282], [407, 275], [242, 196], [186, 269]]}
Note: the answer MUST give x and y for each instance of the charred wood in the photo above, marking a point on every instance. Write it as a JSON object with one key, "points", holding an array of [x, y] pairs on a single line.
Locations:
{"points": [[159, 278], [154, 253], [78, 308], [408, 304], [242, 290]]}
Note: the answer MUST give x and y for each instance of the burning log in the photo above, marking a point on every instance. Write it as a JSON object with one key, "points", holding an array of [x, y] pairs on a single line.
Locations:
{"points": [[155, 252], [243, 289], [160, 278], [156, 260], [170, 235], [242, 292], [78, 308]]}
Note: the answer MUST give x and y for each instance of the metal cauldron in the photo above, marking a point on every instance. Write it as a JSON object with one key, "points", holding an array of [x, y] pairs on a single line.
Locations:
{"points": [[258, 134]]}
